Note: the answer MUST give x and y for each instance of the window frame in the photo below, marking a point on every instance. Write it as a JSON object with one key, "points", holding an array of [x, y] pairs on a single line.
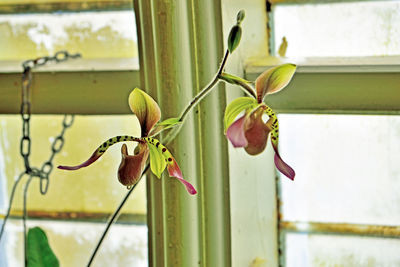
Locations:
{"points": [[336, 85], [296, 99]]}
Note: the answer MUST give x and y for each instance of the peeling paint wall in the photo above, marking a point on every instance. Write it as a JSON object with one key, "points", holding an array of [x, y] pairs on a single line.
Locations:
{"points": [[93, 34]]}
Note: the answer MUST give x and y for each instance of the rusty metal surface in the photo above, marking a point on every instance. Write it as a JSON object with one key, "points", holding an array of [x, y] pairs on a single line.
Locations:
{"points": [[341, 229]]}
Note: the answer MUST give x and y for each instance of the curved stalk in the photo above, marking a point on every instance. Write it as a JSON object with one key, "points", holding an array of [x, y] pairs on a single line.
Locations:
{"points": [[245, 87], [205, 91], [10, 203], [113, 218], [196, 100], [169, 137], [24, 216]]}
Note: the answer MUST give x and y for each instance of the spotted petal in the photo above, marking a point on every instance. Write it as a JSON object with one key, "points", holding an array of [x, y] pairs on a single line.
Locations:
{"points": [[282, 166], [145, 109], [274, 80], [172, 166], [157, 160], [175, 171], [279, 163], [101, 150]]}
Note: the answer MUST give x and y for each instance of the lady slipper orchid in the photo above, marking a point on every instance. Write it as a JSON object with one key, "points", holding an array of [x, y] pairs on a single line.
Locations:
{"points": [[250, 131], [131, 167]]}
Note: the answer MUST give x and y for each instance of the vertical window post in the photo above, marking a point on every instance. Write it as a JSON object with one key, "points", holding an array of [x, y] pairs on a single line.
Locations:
{"points": [[181, 46]]}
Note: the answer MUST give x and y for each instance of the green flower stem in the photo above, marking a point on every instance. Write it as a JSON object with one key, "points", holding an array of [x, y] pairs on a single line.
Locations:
{"points": [[24, 216], [10, 203], [245, 87], [114, 217], [206, 90], [171, 136], [196, 100]]}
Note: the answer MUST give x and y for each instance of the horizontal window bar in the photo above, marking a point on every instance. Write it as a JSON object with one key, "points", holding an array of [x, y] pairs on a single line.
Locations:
{"points": [[92, 87], [329, 86], [127, 218], [336, 85], [340, 228], [299, 2], [15, 7], [370, 64]]}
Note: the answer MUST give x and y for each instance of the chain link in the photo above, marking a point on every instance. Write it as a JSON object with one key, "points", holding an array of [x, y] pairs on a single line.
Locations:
{"points": [[25, 143], [59, 56]]}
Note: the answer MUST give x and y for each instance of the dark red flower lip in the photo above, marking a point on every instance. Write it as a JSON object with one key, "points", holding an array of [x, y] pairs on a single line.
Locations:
{"points": [[131, 167]]}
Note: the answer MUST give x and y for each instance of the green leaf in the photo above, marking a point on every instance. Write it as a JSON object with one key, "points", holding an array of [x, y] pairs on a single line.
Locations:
{"points": [[157, 160], [234, 38], [170, 122], [229, 78], [164, 125], [240, 16], [39, 253], [235, 107]]}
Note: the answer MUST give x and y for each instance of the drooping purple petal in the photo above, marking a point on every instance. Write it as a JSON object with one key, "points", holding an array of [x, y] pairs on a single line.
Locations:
{"points": [[282, 166], [175, 171], [235, 133], [95, 156]]}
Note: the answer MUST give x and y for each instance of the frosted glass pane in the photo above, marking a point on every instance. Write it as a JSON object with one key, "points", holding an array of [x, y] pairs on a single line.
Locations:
{"points": [[92, 189], [339, 29], [73, 243], [329, 250], [347, 168], [93, 34]]}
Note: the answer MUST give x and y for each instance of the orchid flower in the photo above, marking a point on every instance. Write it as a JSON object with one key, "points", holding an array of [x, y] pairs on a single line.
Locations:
{"points": [[250, 131], [132, 166]]}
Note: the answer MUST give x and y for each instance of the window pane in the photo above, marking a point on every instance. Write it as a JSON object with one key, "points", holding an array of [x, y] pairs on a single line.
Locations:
{"points": [[94, 189], [73, 243], [93, 34], [363, 28], [330, 250], [347, 168]]}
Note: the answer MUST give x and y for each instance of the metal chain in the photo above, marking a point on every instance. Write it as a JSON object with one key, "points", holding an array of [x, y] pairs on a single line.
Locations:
{"points": [[59, 56], [56, 147], [25, 143]]}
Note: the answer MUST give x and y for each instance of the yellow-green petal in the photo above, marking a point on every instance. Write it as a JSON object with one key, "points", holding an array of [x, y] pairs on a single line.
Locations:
{"points": [[145, 108], [274, 80], [236, 107], [157, 160]]}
